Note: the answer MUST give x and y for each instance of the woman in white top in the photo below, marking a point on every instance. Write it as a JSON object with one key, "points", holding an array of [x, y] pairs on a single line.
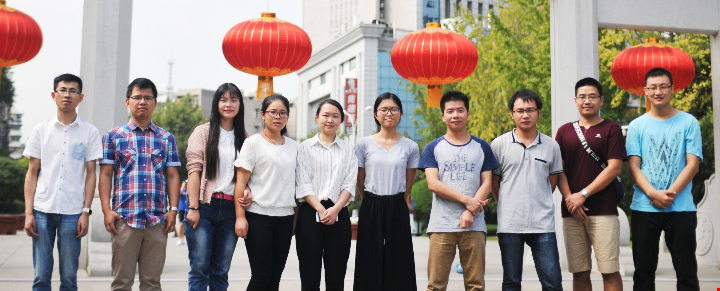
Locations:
{"points": [[210, 222], [387, 163], [267, 164], [326, 177]]}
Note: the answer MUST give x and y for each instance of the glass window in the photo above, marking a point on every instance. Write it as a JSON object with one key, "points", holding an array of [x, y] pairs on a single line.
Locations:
{"points": [[447, 9], [16, 126], [322, 79], [480, 5], [351, 64], [469, 6], [490, 9]]}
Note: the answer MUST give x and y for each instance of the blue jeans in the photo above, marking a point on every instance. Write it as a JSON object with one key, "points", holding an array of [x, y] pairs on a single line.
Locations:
{"points": [[545, 254], [50, 225], [211, 245]]}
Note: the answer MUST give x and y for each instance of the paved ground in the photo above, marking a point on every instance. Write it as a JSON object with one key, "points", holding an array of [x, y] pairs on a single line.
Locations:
{"points": [[16, 270]]}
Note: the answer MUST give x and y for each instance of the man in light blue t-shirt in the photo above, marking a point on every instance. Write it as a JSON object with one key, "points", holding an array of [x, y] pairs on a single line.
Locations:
{"points": [[458, 167], [665, 149]]}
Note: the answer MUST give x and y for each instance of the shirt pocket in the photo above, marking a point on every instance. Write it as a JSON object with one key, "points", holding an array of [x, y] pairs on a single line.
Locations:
{"points": [[542, 165], [78, 152], [127, 159], [157, 157]]}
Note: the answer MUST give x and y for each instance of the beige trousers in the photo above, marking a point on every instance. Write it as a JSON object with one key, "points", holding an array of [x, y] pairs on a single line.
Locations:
{"points": [[472, 257], [141, 248]]}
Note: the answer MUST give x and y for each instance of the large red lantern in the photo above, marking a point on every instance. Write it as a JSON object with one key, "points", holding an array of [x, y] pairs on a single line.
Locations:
{"points": [[266, 47], [630, 66], [434, 56], [20, 36]]}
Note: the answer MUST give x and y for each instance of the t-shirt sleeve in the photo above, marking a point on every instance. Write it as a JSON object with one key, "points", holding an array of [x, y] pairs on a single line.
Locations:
{"points": [[360, 153], [556, 166], [427, 160], [95, 149], [489, 163], [173, 159], [247, 157], [495, 147], [559, 139], [108, 145], [414, 157], [616, 144], [693, 140], [34, 144], [633, 142]]}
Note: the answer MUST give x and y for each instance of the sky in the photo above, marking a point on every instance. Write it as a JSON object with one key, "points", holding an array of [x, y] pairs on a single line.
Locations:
{"points": [[190, 33]]}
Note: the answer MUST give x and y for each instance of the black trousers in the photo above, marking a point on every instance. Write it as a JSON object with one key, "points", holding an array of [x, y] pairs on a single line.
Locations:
{"points": [[384, 252], [679, 230], [317, 243], [267, 244]]}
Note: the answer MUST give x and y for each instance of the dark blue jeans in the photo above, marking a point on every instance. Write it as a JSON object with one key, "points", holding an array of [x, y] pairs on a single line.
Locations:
{"points": [[211, 245], [545, 254], [50, 225]]}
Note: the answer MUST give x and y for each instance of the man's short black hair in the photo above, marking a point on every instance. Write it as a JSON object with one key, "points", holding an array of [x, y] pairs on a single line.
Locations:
{"points": [[527, 96], [141, 83], [589, 82], [454, 96], [67, 78], [658, 72]]}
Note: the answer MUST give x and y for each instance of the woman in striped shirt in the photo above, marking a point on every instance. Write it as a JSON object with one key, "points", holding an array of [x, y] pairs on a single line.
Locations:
{"points": [[210, 221], [325, 183]]}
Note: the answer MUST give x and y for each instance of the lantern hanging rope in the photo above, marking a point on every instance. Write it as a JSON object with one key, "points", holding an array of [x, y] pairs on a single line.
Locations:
{"points": [[266, 47], [20, 37], [434, 56], [630, 66]]}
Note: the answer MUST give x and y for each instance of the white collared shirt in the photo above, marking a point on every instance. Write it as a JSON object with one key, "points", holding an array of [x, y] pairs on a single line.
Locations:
{"points": [[324, 171], [63, 151], [226, 157]]}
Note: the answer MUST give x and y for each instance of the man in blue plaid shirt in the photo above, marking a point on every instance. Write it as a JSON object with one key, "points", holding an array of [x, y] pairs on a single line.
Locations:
{"points": [[140, 167]]}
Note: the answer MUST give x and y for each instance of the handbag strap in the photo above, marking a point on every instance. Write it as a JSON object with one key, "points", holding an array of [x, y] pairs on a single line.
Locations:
{"points": [[587, 148]]}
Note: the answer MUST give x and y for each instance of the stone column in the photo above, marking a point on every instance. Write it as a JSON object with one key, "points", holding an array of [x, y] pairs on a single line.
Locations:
{"points": [[573, 56], [105, 70]]}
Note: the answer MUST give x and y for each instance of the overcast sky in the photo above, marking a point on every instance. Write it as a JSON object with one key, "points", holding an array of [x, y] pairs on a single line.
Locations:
{"points": [[188, 32]]}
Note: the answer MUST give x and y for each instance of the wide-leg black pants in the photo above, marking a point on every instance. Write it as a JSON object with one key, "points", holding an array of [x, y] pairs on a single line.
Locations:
{"points": [[384, 253], [317, 243]]}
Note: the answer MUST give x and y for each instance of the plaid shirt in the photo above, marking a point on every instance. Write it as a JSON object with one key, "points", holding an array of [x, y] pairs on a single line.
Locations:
{"points": [[139, 158]]}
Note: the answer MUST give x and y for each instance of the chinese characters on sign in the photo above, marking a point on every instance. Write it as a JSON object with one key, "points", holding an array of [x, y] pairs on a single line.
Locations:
{"points": [[351, 100]]}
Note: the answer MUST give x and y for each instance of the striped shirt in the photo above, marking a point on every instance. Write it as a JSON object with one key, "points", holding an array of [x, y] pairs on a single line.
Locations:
{"points": [[324, 171], [139, 158]]}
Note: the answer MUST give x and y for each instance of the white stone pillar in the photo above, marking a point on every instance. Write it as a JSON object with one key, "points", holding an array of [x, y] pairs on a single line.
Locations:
{"points": [[715, 65], [573, 56], [105, 70]]}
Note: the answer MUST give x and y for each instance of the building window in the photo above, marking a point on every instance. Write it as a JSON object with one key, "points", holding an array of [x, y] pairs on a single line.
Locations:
{"points": [[490, 9], [16, 126], [257, 113], [457, 6], [469, 6], [480, 5], [447, 9], [351, 64], [15, 138], [309, 84], [322, 78], [342, 68]]}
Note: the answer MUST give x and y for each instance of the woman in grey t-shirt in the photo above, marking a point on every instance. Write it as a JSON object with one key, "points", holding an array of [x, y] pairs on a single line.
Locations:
{"points": [[387, 162]]}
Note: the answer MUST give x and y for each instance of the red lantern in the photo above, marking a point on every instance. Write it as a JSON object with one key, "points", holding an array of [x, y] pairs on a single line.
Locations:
{"points": [[630, 66], [266, 47], [434, 56], [20, 36]]}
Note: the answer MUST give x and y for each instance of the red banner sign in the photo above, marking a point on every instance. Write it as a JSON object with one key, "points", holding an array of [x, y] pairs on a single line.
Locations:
{"points": [[351, 100]]}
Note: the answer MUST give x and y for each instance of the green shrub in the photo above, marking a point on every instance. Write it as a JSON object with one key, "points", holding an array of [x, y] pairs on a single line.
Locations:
{"points": [[423, 202], [12, 182]]}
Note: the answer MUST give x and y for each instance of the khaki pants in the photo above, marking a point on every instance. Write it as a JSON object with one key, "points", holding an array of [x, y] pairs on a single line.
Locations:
{"points": [[472, 257], [141, 248], [602, 232]]}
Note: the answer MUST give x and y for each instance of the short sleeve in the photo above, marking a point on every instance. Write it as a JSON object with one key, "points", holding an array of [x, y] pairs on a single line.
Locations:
{"points": [[633, 142], [360, 153], [173, 159], [95, 148], [496, 152], [559, 139], [489, 162], [556, 166], [693, 140], [427, 160], [414, 157], [34, 144], [108, 156], [247, 157], [616, 144]]}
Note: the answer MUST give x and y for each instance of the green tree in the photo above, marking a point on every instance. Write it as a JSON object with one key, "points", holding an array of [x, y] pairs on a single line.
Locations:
{"points": [[179, 118], [7, 95], [12, 180]]}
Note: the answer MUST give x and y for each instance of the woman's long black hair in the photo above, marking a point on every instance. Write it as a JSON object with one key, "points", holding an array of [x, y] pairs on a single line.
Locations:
{"points": [[269, 100], [211, 150]]}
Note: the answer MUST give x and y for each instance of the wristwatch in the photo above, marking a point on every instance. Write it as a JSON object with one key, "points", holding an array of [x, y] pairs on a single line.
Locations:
{"points": [[173, 208], [88, 210], [194, 208], [584, 193]]}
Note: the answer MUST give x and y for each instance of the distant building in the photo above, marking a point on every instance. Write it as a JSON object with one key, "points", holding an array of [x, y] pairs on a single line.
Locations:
{"points": [[202, 97], [16, 146], [253, 122]]}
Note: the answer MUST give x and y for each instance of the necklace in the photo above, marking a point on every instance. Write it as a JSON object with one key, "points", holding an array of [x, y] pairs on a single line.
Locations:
{"points": [[270, 139]]}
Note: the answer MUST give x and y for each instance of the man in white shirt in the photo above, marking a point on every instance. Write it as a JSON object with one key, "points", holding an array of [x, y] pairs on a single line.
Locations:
{"points": [[58, 198]]}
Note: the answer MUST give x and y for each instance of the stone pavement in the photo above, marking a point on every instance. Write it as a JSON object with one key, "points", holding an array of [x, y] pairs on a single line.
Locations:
{"points": [[16, 269]]}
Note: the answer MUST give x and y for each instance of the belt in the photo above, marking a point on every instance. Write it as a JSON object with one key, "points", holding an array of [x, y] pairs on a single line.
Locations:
{"points": [[223, 196]]}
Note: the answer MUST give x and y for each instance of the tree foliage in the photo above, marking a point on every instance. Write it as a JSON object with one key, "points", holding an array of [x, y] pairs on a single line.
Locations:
{"points": [[179, 118], [12, 180]]}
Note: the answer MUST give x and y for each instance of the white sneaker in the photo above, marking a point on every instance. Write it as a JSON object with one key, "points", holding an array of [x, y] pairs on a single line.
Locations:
{"points": [[180, 242]]}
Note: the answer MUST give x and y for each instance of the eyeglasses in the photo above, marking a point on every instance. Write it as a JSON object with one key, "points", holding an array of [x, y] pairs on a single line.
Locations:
{"points": [[393, 110], [663, 88], [592, 97], [274, 114], [141, 98], [71, 91], [529, 111]]}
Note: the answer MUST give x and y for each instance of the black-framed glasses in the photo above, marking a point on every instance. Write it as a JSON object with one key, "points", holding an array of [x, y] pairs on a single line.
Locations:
{"points": [[529, 111], [393, 110], [274, 114], [71, 91], [141, 98], [591, 97]]}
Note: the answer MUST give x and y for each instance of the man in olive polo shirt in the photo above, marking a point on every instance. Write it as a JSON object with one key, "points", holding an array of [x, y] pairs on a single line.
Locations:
{"points": [[530, 164]]}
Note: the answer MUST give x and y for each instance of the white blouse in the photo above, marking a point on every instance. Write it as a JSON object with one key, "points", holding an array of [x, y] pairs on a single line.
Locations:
{"points": [[226, 157], [324, 171]]}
